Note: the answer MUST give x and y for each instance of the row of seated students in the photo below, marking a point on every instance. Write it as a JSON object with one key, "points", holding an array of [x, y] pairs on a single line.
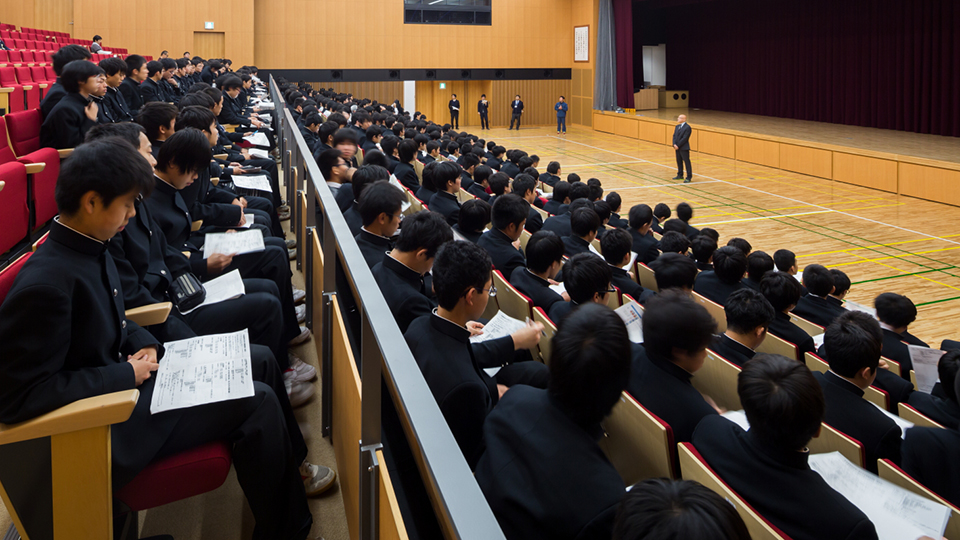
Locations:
{"points": [[128, 197], [437, 288]]}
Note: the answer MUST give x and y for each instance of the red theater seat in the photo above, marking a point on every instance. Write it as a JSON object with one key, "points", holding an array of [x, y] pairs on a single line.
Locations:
{"points": [[14, 212], [23, 129]]}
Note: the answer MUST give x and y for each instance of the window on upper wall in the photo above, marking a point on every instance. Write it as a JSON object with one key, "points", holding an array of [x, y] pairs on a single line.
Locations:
{"points": [[446, 12]]}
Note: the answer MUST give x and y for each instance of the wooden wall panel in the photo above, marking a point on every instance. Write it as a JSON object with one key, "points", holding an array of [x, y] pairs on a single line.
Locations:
{"points": [[604, 123], [539, 97], [865, 171], [717, 144], [22, 13], [626, 127], [654, 133], [54, 15], [930, 183], [209, 44], [758, 151], [805, 160], [382, 91]]}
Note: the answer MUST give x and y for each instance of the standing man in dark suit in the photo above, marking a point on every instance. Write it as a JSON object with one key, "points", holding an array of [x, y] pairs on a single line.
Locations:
{"points": [[681, 144], [454, 107], [561, 108], [483, 107], [517, 107]]}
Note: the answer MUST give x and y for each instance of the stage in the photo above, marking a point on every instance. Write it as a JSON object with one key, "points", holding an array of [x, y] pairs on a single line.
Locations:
{"points": [[917, 165]]}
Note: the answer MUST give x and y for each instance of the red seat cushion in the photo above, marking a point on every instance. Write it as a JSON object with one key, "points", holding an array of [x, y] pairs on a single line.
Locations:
{"points": [[24, 130], [177, 477], [14, 212]]}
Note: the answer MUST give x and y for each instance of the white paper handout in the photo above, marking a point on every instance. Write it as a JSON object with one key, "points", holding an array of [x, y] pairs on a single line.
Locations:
{"points": [[248, 221], [265, 105], [259, 182], [258, 153], [818, 340], [904, 425], [850, 305], [925, 361], [895, 512], [500, 325], [633, 318], [201, 370], [633, 258], [257, 139], [559, 288], [739, 418], [223, 288], [236, 243]]}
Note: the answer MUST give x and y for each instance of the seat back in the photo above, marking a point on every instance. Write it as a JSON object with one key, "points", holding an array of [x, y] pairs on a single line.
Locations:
{"points": [[715, 309], [8, 75], [543, 213], [894, 367], [919, 419], [833, 440], [775, 345], [464, 196], [549, 329], [14, 209], [718, 379], [890, 472], [9, 273], [645, 276], [24, 130], [524, 238], [4, 56], [511, 301], [637, 443], [613, 299], [6, 152], [24, 76], [38, 74], [810, 328], [694, 467]]}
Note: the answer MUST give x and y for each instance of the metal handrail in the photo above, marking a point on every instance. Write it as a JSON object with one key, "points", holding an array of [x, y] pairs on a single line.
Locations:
{"points": [[462, 509]]}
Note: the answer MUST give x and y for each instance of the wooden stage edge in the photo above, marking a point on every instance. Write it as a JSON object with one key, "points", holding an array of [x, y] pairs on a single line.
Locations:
{"points": [[927, 179]]}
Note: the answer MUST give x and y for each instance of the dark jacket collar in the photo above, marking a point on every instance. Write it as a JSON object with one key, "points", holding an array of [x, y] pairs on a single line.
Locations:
{"points": [[737, 346], [577, 240], [406, 273], [593, 429], [449, 328], [376, 239], [789, 458], [449, 195], [537, 278], [74, 240], [840, 382], [498, 235], [666, 365]]}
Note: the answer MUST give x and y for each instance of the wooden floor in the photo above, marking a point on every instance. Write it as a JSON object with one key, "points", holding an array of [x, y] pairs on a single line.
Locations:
{"points": [[880, 140], [883, 241]]}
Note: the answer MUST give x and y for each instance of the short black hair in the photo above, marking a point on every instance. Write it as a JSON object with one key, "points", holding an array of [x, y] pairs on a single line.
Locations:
{"points": [[673, 320], [509, 210], [589, 363], [327, 160], [729, 264], [196, 117], [553, 167], [818, 280], [429, 174], [127, 131], [112, 65], [446, 172], [459, 267], [197, 99], [154, 115], [561, 190], [584, 221], [741, 244], [782, 400], [521, 184], [543, 249], [673, 270], [640, 215], [602, 208], [424, 230], [703, 247], [187, 149], [614, 200], [661, 211], [685, 212], [366, 175], [482, 173], [312, 119], [345, 135], [69, 53], [584, 275], [781, 289], [76, 73], [470, 160], [154, 67], [947, 368], [579, 190], [97, 37], [327, 129], [664, 509], [474, 216], [758, 264], [407, 150], [379, 197], [229, 81], [134, 62], [841, 282], [676, 225], [110, 167], [674, 242], [784, 259], [895, 309], [853, 341], [615, 245], [746, 309], [710, 233]]}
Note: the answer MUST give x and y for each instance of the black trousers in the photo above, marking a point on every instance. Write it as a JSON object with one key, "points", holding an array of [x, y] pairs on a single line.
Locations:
{"points": [[515, 116], [683, 158], [484, 121], [455, 119], [267, 449], [272, 263]]}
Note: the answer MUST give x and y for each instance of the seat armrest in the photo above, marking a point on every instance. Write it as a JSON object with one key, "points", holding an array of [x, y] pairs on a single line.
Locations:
{"points": [[231, 127], [34, 168], [65, 152], [81, 414], [6, 90], [150, 314], [221, 156], [195, 226]]}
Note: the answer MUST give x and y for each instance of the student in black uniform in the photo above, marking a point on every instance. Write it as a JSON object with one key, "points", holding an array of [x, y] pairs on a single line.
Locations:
{"points": [[841, 286], [674, 271], [544, 255], [75, 113], [66, 54], [405, 171], [929, 453], [729, 265], [444, 202], [615, 246], [814, 306], [786, 262], [168, 84], [783, 293], [428, 186], [454, 106], [560, 224], [473, 220], [311, 131], [468, 163], [853, 343], [450, 364], [942, 409], [584, 223], [499, 185], [748, 316], [561, 193], [644, 244], [516, 106], [896, 312], [373, 137], [742, 244], [615, 202], [67, 285], [662, 509], [525, 187], [496, 162], [702, 248], [380, 206], [508, 216], [758, 264], [587, 279], [767, 465], [685, 214], [400, 273], [676, 333], [674, 242], [552, 176], [150, 87], [113, 108], [534, 490], [481, 177], [483, 107]]}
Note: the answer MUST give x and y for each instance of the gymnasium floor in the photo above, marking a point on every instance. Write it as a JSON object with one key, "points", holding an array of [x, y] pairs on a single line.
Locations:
{"points": [[884, 242]]}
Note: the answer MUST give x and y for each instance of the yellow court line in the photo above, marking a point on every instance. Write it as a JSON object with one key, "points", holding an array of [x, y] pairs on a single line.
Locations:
{"points": [[765, 217], [874, 246], [921, 276], [918, 253]]}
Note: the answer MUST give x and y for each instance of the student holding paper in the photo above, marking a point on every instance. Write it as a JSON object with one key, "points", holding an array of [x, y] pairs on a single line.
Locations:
{"points": [[587, 279], [896, 312], [930, 454], [944, 409], [71, 284], [616, 248]]}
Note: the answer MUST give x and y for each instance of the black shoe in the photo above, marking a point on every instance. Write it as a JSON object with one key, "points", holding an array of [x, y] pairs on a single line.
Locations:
{"points": [[688, 180], [678, 177]]}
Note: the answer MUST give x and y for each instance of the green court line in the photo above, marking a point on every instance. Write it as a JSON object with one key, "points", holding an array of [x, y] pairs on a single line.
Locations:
{"points": [[902, 275], [921, 304]]}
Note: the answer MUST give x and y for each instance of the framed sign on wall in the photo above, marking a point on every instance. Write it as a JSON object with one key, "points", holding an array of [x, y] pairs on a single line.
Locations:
{"points": [[581, 43]]}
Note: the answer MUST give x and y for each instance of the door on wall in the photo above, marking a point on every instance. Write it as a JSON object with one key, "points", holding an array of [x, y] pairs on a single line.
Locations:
{"points": [[208, 45], [56, 15]]}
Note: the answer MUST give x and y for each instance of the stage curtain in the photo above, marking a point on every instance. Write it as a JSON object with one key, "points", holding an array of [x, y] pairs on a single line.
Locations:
{"points": [[890, 64], [605, 80], [623, 30]]}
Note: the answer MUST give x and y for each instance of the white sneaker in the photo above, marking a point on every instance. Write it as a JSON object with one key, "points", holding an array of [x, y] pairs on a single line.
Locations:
{"points": [[316, 478], [302, 338], [298, 392], [301, 313], [299, 370], [299, 295]]}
